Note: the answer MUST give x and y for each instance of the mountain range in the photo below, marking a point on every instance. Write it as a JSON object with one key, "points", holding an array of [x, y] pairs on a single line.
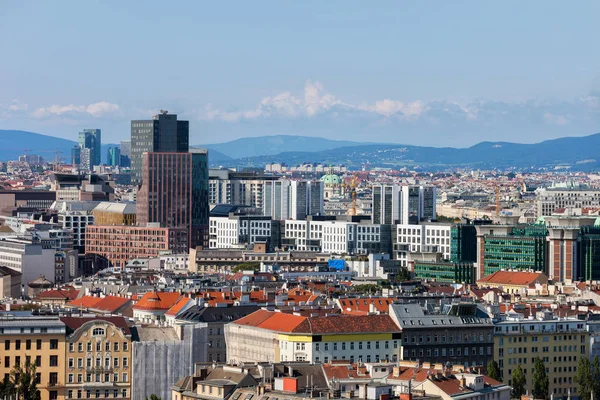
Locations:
{"points": [[579, 153]]}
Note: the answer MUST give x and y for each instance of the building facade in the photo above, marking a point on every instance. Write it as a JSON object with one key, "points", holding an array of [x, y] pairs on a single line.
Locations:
{"points": [[162, 134], [91, 140], [37, 340], [98, 358], [285, 199], [119, 244]]}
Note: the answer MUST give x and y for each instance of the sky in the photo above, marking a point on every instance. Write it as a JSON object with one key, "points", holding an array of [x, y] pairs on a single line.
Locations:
{"points": [[435, 73]]}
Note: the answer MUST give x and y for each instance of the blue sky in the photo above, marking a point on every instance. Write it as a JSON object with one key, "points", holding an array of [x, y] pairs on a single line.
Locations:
{"points": [[444, 73]]}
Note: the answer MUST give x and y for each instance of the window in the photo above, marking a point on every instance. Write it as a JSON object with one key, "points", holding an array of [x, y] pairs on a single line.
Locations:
{"points": [[116, 346], [80, 347], [54, 361], [53, 344], [89, 346], [116, 362], [125, 346], [7, 345], [98, 346], [70, 378], [107, 346], [98, 332], [38, 361], [28, 344], [71, 362], [125, 374], [79, 378], [124, 362]]}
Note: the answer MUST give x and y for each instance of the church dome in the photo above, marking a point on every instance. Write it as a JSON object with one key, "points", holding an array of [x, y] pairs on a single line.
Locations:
{"points": [[331, 180]]}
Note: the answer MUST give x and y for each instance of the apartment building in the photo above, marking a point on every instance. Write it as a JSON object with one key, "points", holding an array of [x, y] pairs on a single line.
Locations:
{"points": [[463, 335], [565, 196], [98, 358], [75, 216], [275, 336], [38, 340], [558, 342], [28, 257]]}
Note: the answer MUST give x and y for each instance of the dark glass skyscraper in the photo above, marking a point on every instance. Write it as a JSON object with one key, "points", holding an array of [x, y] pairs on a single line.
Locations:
{"points": [[91, 139], [174, 193], [162, 134]]}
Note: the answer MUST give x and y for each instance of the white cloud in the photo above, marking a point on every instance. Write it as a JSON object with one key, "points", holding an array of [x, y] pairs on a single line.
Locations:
{"points": [[16, 106], [95, 110], [556, 119]]}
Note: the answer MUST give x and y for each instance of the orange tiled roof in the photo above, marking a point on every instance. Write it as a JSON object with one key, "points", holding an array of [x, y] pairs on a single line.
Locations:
{"points": [[356, 306], [178, 306], [519, 278], [157, 301], [59, 294], [282, 322], [111, 304], [85, 302]]}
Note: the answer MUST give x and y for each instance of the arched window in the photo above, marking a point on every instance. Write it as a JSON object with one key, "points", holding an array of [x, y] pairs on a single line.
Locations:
{"points": [[98, 332]]}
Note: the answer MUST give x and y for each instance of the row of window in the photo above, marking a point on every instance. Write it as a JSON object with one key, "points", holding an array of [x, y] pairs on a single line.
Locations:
{"points": [[88, 394], [97, 378], [107, 345], [107, 362], [52, 361], [451, 352], [28, 342], [442, 338]]}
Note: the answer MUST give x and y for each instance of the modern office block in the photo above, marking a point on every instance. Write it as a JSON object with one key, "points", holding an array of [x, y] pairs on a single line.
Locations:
{"points": [[162, 134]]}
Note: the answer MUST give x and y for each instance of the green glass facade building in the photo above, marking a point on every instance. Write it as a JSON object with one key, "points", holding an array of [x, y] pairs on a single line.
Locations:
{"points": [[449, 272], [525, 248]]}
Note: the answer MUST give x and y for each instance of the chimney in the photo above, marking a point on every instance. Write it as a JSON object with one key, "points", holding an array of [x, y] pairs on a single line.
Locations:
{"points": [[372, 308], [463, 381]]}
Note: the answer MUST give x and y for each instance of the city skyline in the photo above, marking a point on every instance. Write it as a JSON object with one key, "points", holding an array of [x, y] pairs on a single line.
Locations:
{"points": [[453, 74]]}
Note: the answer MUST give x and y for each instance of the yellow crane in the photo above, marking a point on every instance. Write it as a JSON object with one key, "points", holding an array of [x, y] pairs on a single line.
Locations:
{"points": [[353, 185]]}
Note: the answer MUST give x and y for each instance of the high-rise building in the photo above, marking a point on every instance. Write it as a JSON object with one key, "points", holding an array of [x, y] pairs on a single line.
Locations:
{"points": [[408, 204], [76, 155], [125, 153], [162, 134], [286, 199], [92, 139], [174, 192], [85, 160], [113, 156], [238, 188]]}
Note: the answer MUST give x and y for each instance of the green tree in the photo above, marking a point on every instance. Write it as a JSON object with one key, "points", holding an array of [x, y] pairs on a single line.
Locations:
{"points": [[584, 379], [493, 370], [247, 266], [518, 382], [153, 397], [23, 382], [6, 388], [540, 380], [596, 377]]}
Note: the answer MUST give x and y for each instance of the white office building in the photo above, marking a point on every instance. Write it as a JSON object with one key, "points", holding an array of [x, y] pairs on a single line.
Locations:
{"points": [[422, 238], [238, 231], [403, 204], [285, 199], [75, 216], [27, 257]]}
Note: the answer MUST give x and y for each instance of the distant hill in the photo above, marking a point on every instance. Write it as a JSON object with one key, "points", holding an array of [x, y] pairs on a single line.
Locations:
{"points": [[271, 145], [579, 153], [13, 144]]}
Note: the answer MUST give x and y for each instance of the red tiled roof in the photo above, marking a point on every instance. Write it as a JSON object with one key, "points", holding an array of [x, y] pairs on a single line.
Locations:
{"points": [[345, 371], [519, 278], [85, 302], [178, 306], [282, 322], [75, 323], [157, 301], [111, 304], [355, 305]]}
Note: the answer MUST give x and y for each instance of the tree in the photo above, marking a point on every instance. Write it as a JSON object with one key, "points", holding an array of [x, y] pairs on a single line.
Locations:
{"points": [[493, 370], [540, 380], [596, 377], [584, 378], [153, 397], [23, 382], [518, 382], [6, 388], [247, 266]]}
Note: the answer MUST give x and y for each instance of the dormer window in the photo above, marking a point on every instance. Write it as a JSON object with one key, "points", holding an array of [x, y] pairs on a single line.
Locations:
{"points": [[98, 332]]}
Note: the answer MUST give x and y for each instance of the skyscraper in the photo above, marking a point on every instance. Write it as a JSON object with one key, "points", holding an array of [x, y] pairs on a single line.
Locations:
{"points": [[92, 139], [174, 192], [410, 204], [284, 199], [113, 156], [76, 155], [125, 153], [162, 134]]}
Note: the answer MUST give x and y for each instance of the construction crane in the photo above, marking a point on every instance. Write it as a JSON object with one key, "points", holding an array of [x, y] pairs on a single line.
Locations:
{"points": [[497, 200], [353, 185]]}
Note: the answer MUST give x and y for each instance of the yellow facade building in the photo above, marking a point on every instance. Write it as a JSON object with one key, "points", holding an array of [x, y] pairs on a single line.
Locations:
{"points": [[559, 343], [37, 340], [98, 358], [107, 213]]}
